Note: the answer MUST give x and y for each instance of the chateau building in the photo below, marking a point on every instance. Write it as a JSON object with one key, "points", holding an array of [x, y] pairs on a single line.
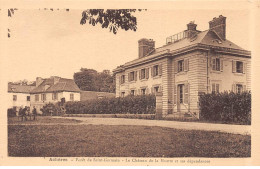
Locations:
{"points": [[191, 63]]}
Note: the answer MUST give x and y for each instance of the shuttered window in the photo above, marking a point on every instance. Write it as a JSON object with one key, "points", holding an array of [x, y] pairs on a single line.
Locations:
{"points": [[217, 64], [181, 65], [215, 88], [54, 96], [132, 76], [43, 97], [142, 74], [122, 79], [36, 97], [71, 97], [238, 67]]}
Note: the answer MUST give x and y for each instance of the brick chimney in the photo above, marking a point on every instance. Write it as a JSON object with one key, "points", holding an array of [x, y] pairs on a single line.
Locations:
{"points": [[145, 46], [55, 79], [191, 29], [219, 26], [39, 80]]}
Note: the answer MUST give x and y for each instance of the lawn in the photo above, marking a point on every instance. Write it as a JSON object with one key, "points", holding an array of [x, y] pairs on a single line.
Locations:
{"points": [[119, 141]]}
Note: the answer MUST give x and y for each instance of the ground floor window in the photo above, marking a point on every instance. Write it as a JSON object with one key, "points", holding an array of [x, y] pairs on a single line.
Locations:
{"points": [[122, 94], [43, 97], [71, 97], [132, 92], [54, 96], [239, 88], [143, 91], [215, 88]]}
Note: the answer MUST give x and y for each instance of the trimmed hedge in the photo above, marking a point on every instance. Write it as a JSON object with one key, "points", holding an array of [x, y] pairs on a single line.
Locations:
{"points": [[226, 107], [144, 104]]}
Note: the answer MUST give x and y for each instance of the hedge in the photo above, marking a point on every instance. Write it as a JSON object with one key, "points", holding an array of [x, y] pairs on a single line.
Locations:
{"points": [[144, 104], [226, 107]]}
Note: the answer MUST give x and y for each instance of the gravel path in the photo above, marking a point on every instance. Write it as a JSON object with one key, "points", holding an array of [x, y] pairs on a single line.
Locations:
{"points": [[227, 128]]}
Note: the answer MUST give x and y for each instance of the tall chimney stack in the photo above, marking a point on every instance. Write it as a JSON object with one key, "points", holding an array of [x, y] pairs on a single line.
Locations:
{"points": [[219, 26], [145, 46], [191, 29]]}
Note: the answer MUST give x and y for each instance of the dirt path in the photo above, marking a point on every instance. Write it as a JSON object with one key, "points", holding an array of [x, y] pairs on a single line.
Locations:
{"points": [[227, 128]]}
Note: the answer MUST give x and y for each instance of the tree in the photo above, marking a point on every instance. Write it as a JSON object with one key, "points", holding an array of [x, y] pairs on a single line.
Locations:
{"points": [[91, 80], [111, 18]]}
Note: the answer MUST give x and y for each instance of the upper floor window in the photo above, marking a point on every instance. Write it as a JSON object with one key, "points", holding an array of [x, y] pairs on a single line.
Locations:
{"points": [[14, 97], [157, 70], [132, 76], [71, 97], [43, 97], [216, 64], [238, 67], [132, 92], [142, 75], [180, 65], [28, 98], [36, 97], [122, 94], [122, 80]]}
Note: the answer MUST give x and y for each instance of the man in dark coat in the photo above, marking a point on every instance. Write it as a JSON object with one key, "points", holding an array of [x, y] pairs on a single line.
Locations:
{"points": [[34, 113]]}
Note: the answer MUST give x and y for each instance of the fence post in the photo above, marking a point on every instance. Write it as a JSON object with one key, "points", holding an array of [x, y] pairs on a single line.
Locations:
{"points": [[158, 113]]}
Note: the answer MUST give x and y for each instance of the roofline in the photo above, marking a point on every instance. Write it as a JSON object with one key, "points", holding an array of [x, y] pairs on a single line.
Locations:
{"points": [[19, 92], [168, 53], [54, 91]]}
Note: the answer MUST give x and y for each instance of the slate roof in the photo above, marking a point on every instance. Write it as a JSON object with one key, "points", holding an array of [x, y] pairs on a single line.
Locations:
{"points": [[207, 37], [48, 86], [14, 88]]}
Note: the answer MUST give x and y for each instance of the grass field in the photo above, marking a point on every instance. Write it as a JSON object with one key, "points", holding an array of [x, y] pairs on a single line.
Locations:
{"points": [[119, 141]]}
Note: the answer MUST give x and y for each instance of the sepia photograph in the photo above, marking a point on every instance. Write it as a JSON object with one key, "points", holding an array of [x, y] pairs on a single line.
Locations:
{"points": [[131, 85]]}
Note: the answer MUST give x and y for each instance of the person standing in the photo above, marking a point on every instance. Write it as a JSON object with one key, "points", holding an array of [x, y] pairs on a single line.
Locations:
{"points": [[34, 113]]}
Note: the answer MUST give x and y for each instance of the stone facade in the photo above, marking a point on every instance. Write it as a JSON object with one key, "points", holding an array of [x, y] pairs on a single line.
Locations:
{"points": [[185, 68]]}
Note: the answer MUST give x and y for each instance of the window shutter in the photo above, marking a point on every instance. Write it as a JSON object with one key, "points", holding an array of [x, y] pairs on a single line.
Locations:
{"points": [[186, 65], [147, 73], [234, 88], [160, 69], [175, 67], [244, 67], [175, 95], [128, 77], [186, 93], [234, 66], [135, 75], [217, 88], [140, 74], [152, 71], [213, 63], [221, 64]]}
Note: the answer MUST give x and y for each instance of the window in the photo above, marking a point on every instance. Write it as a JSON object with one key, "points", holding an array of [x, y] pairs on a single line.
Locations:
{"points": [[122, 79], [215, 88], [239, 88], [28, 98], [14, 97], [156, 70], [132, 92], [142, 76], [71, 97], [122, 94], [217, 64], [36, 97], [156, 89], [54, 96], [143, 91], [181, 86], [43, 97], [131, 76], [239, 67], [180, 65]]}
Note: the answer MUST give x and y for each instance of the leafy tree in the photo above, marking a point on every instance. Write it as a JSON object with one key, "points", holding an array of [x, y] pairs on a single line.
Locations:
{"points": [[111, 18], [91, 80]]}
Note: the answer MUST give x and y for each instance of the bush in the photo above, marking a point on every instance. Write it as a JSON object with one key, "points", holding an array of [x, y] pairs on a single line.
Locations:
{"points": [[144, 104], [51, 109], [226, 107]]}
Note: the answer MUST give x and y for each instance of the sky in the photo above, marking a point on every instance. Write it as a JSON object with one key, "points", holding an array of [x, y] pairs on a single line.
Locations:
{"points": [[53, 43]]}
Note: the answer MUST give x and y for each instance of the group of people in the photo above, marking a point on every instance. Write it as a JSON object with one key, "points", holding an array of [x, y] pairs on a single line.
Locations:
{"points": [[24, 112]]}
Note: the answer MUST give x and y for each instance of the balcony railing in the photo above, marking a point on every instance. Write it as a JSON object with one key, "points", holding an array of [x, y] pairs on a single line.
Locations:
{"points": [[176, 37]]}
